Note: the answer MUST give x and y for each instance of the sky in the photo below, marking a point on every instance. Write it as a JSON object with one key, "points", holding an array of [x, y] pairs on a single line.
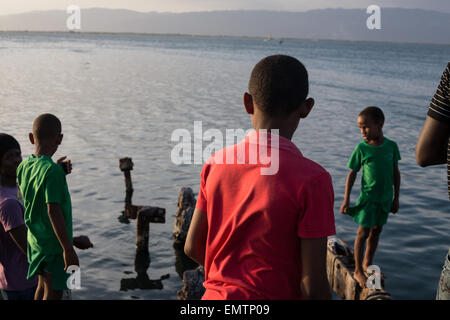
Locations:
{"points": [[19, 6]]}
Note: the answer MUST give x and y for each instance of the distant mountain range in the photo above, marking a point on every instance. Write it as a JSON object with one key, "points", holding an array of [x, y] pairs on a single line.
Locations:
{"points": [[397, 25]]}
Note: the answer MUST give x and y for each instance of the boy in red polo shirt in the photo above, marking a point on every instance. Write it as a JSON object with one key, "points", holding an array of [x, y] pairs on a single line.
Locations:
{"points": [[263, 234]]}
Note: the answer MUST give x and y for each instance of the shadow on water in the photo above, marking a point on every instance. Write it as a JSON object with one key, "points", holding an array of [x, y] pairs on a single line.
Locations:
{"points": [[142, 280], [182, 261]]}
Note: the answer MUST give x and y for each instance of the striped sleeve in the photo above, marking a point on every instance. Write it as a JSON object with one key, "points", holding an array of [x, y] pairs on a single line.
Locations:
{"points": [[440, 104], [440, 110]]}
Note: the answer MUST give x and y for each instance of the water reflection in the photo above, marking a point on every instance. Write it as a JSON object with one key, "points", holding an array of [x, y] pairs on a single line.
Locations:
{"points": [[182, 261], [142, 280]]}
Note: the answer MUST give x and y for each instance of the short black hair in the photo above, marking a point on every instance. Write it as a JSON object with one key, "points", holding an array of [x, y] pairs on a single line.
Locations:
{"points": [[279, 84], [374, 113], [46, 126], [7, 143]]}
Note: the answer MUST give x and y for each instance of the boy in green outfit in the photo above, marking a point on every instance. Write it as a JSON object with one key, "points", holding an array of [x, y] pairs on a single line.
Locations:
{"points": [[48, 211], [379, 158]]}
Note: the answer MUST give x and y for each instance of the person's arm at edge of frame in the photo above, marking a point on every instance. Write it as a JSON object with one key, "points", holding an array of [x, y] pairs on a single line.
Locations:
{"points": [[314, 282], [59, 227], [351, 177], [397, 179], [19, 236], [431, 147], [195, 245]]}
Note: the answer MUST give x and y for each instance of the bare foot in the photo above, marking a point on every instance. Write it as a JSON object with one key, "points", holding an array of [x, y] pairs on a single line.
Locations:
{"points": [[368, 275], [361, 278]]}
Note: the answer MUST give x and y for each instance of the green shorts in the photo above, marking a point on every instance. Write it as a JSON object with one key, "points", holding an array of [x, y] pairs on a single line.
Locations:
{"points": [[53, 264], [368, 214]]}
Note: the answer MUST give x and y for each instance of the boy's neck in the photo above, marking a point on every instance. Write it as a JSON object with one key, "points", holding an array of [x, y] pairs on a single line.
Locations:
{"points": [[377, 142], [44, 151], [284, 129]]}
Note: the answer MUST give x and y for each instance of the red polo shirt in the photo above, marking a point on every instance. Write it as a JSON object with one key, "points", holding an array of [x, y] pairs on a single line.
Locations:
{"points": [[255, 220]]}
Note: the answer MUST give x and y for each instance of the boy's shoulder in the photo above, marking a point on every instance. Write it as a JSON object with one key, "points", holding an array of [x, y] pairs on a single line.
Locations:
{"points": [[390, 141], [310, 168], [359, 148], [291, 162], [42, 165], [386, 143], [295, 166]]}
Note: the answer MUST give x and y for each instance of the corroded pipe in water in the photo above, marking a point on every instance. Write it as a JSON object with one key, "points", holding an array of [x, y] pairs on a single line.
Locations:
{"points": [[126, 165], [144, 214]]}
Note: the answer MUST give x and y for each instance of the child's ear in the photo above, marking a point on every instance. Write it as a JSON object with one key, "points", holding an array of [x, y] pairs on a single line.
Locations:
{"points": [[248, 103], [60, 138], [306, 107], [31, 137]]}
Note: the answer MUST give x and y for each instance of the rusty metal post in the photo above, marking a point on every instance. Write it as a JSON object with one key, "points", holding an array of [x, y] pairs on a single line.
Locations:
{"points": [[145, 215], [126, 165]]}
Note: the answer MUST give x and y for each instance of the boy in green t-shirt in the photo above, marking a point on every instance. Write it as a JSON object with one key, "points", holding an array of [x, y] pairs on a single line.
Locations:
{"points": [[48, 211], [378, 156]]}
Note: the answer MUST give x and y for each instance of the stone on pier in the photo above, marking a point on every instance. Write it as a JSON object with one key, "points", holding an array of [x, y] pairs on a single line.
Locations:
{"points": [[183, 217], [192, 284]]}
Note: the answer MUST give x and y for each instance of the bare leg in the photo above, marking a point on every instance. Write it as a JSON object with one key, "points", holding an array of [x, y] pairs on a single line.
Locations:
{"points": [[49, 293], [39, 293], [372, 243], [361, 237]]}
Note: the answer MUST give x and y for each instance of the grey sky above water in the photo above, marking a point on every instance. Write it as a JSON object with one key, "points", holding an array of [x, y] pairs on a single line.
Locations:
{"points": [[19, 6]]}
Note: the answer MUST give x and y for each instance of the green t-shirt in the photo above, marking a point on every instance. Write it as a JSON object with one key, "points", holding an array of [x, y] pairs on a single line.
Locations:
{"points": [[42, 181], [378, 169]]}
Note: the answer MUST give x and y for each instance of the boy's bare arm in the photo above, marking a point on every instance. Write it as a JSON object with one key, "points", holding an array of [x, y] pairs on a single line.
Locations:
{"points": [[58, 223], [395, 204], [314, 284], [19, 236], [195, 245], [351, 177], [431, 147]]}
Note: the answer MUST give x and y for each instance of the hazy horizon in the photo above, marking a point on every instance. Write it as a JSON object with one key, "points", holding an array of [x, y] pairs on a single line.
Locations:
{"points": [[331, 24], [10, 7], [219, 10]]}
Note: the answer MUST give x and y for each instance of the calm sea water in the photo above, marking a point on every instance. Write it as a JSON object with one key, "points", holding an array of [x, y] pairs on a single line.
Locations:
{"points": [[124, 95]]}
